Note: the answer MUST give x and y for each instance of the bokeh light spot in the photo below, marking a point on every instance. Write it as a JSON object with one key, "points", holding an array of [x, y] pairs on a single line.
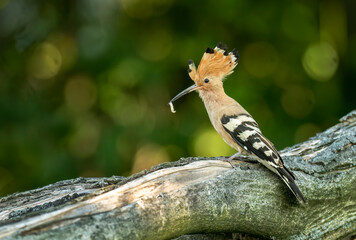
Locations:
{"points": [[260, 59], [208, 143], [129, 112], [43, 64], [67, 47], [297, 101], [320, 61], [148, 156], [110, 98], [127, 73], [80, 93], [123, 108], [306, 131], [85, 139]]}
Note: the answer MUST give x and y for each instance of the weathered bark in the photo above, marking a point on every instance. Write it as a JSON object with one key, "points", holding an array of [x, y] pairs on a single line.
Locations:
{"points": [[192, 196]]}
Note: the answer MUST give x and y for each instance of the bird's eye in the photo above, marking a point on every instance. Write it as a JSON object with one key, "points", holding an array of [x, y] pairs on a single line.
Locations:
{"points": [[206, 80]]}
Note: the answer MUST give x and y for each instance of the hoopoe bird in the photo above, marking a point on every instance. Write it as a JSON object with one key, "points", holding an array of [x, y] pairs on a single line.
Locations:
{"points": [[234, 124]]}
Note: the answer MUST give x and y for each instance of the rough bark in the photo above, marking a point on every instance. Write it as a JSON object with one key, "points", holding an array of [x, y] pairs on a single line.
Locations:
{"points": [[201, 195]]}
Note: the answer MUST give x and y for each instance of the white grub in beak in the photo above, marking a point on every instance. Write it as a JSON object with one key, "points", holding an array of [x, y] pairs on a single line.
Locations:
{"points": [[172, 107]]}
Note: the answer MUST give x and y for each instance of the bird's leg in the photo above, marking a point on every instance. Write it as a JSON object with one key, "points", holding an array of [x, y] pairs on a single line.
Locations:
{"points": [[232, 158]]}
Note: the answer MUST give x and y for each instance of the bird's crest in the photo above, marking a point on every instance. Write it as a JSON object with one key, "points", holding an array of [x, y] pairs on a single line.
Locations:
{"points": [[216, 62]]}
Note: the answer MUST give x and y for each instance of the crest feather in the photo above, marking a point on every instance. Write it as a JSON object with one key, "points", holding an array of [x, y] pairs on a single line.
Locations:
{"points": [[218, 62], [192, 69]]}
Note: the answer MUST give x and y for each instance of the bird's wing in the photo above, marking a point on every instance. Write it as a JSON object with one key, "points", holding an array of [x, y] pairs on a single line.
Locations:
{"points": [[244, 131]]}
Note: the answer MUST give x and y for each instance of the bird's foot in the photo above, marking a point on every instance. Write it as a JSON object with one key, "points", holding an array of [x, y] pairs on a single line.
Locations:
{"points": [[229, 160]]}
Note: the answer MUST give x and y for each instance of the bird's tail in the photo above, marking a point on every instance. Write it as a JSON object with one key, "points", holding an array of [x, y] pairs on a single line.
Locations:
{"points": [[288, 178]]}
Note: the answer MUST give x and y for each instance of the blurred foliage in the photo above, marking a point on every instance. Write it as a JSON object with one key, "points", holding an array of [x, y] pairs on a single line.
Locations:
{"points": [[84, 85]]}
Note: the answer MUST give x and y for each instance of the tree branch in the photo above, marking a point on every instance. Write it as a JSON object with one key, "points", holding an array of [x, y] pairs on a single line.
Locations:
{"points": [[200, 195]]}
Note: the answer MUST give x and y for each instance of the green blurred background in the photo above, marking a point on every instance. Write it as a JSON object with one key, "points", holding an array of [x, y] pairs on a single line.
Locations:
{"points": [[84, 85]]}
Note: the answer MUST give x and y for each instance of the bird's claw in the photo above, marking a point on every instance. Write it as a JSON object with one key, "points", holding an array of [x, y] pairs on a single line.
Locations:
{"points": [[230, 161]]}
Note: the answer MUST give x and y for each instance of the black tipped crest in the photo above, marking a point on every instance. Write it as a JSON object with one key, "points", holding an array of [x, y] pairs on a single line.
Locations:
{"points": [[236, 54], [218, 62], [190, 61], [209, 50]]}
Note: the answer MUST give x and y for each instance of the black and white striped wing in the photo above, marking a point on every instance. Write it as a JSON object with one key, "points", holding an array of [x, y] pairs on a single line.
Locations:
{"points": [[244, 131]]}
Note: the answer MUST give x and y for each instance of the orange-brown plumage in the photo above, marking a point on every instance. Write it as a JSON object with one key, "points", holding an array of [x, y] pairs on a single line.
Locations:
{"points": [[234, 124], [216, 63]]}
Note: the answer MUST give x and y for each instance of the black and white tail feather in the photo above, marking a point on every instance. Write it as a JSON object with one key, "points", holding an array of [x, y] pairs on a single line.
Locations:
{"points": [[289, 178], [245, 132]]}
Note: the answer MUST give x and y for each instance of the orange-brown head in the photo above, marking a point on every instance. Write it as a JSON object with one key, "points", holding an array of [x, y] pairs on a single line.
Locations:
{"points": [[214, 66]]}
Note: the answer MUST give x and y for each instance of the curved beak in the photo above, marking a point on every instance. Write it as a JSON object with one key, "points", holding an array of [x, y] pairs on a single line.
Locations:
{"points": [[184, 92], [181, 94]]}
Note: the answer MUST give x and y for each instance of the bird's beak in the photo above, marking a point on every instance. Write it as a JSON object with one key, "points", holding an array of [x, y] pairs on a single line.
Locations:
{"points": [[186, 91], [181, 94]]}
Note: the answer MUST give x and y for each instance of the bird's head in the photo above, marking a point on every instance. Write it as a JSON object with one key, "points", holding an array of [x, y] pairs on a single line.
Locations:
{"points": [[214, 66]]}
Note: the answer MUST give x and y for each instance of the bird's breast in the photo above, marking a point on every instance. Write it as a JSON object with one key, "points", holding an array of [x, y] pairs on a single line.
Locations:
{"points": [[215, 119]]}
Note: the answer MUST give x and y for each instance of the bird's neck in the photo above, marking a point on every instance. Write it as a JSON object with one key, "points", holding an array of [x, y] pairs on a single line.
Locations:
{"points": [[214, 99]]}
